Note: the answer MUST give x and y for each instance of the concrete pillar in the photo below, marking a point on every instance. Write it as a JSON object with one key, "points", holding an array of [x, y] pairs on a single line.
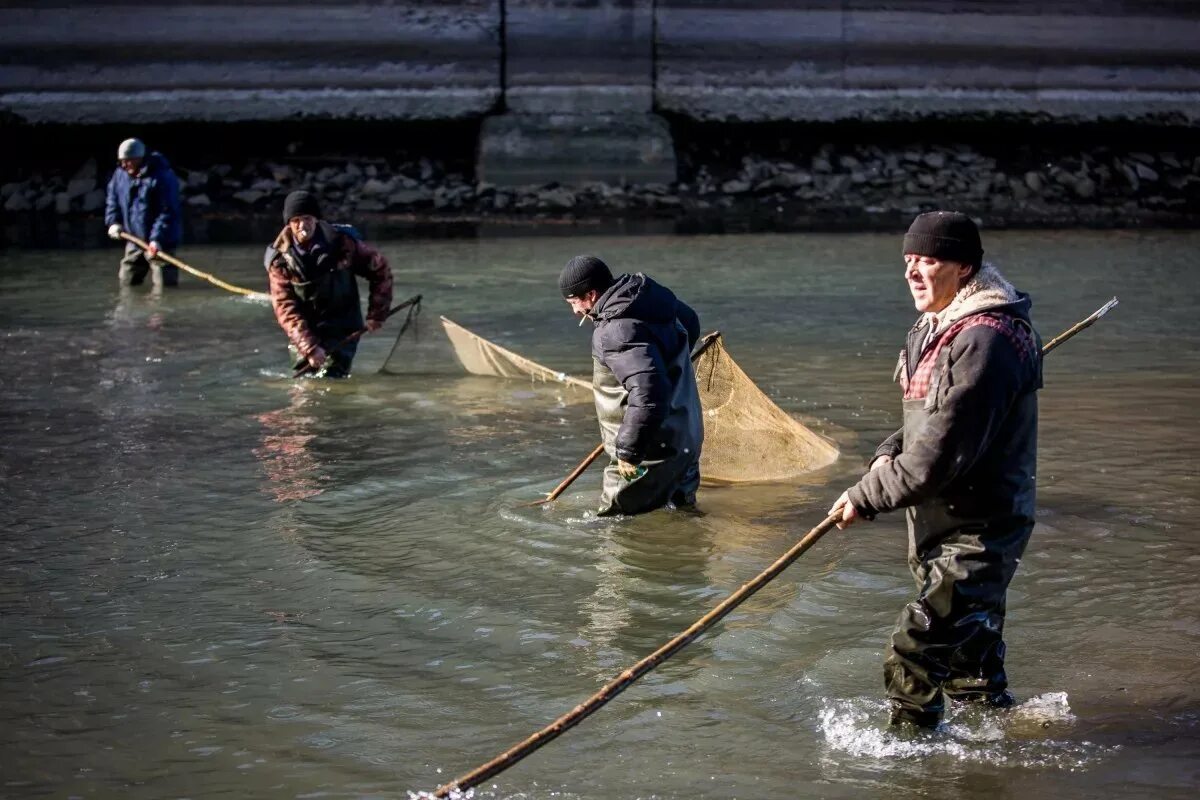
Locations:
{"points": [[578, 96]]}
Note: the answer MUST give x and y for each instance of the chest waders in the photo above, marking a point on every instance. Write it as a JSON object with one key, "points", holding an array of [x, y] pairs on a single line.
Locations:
{"points": [[329, 303], [963, 549], [672, 463]]}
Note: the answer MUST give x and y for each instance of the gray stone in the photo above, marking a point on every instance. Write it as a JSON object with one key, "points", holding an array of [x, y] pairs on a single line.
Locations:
{"points": [[86, 172], [1084, 187], [62, 203], [1144, 158], [248, 196], [44, 201], [78, 187], [735, 186], [935, 160], [1145, 173], [370, 204], [821, 164], [17, 201], [557, 198], [266, 185], [410, 197], [199, 201], [7, 190], [1169, 159], [93, 201], [196, 179], [374, 186], [1034, 181], [926, 179]]}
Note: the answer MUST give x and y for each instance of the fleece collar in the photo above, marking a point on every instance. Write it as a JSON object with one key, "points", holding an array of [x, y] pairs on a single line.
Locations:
{"points": [[987, 289]]}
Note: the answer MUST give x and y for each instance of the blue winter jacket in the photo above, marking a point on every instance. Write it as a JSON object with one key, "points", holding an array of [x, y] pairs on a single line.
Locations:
{"points": [[146, 206]]}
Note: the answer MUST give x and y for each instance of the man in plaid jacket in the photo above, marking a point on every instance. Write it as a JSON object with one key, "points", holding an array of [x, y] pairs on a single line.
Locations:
{"points": [[962, 467], [312, 268]]}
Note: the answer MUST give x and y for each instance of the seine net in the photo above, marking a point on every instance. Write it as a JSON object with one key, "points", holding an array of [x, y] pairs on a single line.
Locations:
{"points": [[747, 438], [481, 357]]}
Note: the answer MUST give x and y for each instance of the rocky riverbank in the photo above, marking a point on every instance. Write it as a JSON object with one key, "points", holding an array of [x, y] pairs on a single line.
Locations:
{"points": [[728, 181]]}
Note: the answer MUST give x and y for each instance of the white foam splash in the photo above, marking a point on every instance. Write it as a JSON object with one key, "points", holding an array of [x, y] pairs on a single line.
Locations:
{"points": [[1021, 736]]}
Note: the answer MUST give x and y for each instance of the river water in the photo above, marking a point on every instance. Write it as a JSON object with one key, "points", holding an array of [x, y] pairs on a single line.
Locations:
{"points": [[220, 582]]}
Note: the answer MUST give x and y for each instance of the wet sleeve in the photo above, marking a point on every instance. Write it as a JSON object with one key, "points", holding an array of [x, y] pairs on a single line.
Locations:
{"points": [[369, 263], [167, 221], [112, 210], [287, 312], [982, 379], [639, 366]]}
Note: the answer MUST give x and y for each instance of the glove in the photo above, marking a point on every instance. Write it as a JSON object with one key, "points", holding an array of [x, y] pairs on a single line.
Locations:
{"points": [[629, 471], [152, 249], [114, 231]]}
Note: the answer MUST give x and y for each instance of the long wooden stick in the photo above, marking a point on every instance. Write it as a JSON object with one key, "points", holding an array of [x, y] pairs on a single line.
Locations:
{"points": [[575, 473], [302, 367], [701, 346], [693, 632], [215, 281], [1078, 326]]}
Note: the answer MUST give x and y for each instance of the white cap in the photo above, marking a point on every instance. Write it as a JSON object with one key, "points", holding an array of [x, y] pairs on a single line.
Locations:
{"points": [[131, 148]]}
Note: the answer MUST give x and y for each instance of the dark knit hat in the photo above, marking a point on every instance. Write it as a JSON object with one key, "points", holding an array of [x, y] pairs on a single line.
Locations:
{"points": [[298, 204], [582, 274], [944, 235]]}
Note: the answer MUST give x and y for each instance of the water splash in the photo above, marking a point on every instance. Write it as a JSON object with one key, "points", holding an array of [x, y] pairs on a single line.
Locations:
{"points": [[1030, 734]]}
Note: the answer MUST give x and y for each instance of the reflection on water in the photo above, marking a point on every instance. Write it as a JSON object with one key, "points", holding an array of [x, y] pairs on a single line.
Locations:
{"points": [[218, 580], [292, 473]]}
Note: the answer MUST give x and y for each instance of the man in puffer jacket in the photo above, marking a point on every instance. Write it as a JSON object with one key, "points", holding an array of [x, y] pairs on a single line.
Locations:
{"points": [[312, 267], [962, 466], [644, 385], [142, 199]]}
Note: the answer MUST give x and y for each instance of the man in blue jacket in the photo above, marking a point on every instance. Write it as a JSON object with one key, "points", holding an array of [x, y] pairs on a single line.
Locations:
{"points": [[645, 390], [143, 200]]}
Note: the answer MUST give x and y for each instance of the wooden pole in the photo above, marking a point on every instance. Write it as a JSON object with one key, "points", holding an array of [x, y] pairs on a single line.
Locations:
{"points": [[575, 473], [302, 367], [215, 281], [693, 632]]}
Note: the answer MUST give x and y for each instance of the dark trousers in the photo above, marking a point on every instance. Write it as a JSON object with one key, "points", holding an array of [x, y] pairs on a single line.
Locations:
{"points": [[949, 641], [135, 266], [671, 481]]}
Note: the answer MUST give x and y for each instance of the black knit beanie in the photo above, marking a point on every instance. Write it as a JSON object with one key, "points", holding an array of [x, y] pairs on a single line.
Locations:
{"points": [[944, 235], [582, 274], [298, 204]]}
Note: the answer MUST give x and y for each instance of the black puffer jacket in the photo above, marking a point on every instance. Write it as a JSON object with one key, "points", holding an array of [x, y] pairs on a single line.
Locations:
{"points": [[646, 398]]}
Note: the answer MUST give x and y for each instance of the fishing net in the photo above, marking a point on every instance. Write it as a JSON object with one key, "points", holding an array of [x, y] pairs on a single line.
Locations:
{"points": [[746, 436], [481, 357]]}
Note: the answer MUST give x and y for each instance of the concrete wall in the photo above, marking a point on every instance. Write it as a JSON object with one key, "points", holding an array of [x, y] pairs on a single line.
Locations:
{"points": [[757, 60], [750, 60], [94, 61]]}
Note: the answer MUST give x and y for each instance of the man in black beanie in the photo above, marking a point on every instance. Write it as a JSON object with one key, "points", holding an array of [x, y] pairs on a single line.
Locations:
{"points": [[312, 267], [645, 389], [962, 466]]}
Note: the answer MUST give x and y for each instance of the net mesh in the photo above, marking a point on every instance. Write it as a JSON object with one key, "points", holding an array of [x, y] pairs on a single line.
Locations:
{"points": [[481, 357], [747, 438]]}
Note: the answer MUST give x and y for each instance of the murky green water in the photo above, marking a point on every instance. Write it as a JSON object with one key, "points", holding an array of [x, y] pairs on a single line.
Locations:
{"points": [[218, 582]]}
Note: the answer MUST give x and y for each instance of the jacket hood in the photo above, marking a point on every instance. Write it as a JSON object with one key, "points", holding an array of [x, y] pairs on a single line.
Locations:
{"points": [[156, 162], [987, 291], [636, 296]]}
